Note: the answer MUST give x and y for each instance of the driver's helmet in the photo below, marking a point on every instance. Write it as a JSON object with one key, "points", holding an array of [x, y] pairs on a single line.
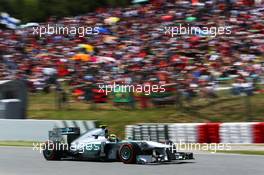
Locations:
{"points": [[112, 138]]}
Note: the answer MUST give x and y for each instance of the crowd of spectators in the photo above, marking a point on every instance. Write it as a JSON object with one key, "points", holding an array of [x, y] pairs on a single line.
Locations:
{"points": [[141, 51]]}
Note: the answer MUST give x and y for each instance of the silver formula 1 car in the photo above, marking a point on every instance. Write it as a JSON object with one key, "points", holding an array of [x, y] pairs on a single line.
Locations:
{"points": [[98, 145]]}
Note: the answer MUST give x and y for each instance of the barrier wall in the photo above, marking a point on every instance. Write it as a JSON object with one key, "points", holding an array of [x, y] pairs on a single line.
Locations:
{"points": [[237, 132], [183, 132], [154, 132], [37, 130], [244, 132]]}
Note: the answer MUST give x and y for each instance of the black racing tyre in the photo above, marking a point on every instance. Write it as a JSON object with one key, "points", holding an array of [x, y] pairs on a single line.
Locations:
{"points": [[50, 152], [170, 155], [128, 153]]}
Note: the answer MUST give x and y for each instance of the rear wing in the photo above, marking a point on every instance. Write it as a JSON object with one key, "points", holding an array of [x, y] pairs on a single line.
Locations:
{"points": [[64, 134]]}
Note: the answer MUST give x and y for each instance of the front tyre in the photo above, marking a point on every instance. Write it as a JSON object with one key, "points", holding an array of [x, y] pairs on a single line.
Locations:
{"points": [[128, 153]]}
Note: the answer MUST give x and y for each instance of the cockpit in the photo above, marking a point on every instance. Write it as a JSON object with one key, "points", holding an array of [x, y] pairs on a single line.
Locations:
{"points": [[97, 134]]}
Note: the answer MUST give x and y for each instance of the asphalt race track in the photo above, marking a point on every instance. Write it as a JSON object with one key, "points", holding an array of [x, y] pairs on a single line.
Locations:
{"points": [[25, 161]]}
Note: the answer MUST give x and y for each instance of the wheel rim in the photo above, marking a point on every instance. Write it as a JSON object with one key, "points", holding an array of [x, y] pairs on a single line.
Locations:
{"points": [[48, 153], [126, 153]]}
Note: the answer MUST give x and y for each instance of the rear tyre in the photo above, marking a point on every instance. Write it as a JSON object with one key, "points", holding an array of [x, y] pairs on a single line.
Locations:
{"points": [[128, 153], [50, 152]]}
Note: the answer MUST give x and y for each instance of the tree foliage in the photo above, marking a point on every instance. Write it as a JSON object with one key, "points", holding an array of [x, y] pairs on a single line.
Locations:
{"points": [[40, 10]]}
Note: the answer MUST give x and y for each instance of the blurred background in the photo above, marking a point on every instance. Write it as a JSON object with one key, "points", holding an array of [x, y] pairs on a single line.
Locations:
{"points": [[207, 79]]}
